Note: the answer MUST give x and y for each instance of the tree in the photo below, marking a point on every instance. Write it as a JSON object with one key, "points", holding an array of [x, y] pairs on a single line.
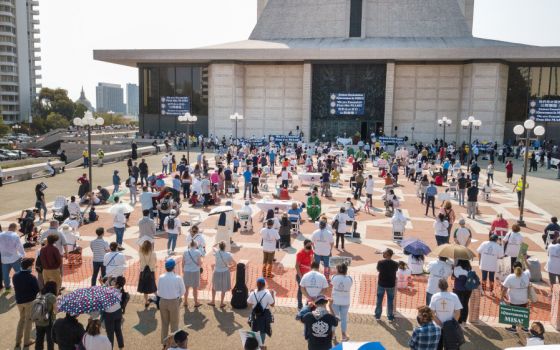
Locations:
{"points": [[57, 121], [79, 110], [54, 101], [4, 129]]}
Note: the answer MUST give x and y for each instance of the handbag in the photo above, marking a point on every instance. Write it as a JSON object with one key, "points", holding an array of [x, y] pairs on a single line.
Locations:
{"points": [[201, 269], [532, 293], [335, 225]]}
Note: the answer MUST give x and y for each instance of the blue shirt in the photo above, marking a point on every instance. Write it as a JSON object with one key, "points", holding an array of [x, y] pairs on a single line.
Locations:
{"points": [[446, 164], [25, 286], [116, 179], [425, 337], [176, 184], [247, 175], [431, 191]]}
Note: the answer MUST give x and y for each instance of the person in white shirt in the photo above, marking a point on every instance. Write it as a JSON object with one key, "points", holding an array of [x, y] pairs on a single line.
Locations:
{"points": [[489, 252], [446, 305], [73, 207], [416, 264], [165, 164], [270, 237], [119, 225], [516, 286], [312, 284], [323, 243], [512, 243], [536, 334], [399, 223], [93, 339], [438, 269], [265, 297], [192, 266], [73, 222], [462, 235], [11, 252], [441, 227], [369, 190], [340, 219], [114, 262], [341, 289], [170, 289], [172, 225], [196, 236], [553, 263]]}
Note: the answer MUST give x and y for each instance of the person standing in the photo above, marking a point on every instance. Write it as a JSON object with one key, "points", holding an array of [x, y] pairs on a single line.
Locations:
{"points": [[462, 188], [386, 283], [51, 262], [446, 307], [43, 327], [489, 252], [312, 284], [261, 317], [100, 156], [304, 258], [170, 289], [116, 181], [339, 224], [462, 234], [146, 226], [221, 279], [192, 268], [509, 171], [553, 263], [85, 156], [114, 262], [441, 227], [323, 243], [512, 243], [270, 237], [147, 264], [438, 269], [172, 225], [99, 247], [472, 199], [431, 193], [427, 335], [519, 189], [449, 213], [113, 316], [319, 325], [26, 288], [461, 272], [40, 202], [342, 286], [11, 253], [68, 332], [247, 183], [119, 226], [516, 286], [131, 184], [143, 168], [490, 171]]}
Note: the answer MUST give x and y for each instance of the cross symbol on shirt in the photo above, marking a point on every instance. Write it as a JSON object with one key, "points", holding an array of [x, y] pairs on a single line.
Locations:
{"points": [[444, 304]]}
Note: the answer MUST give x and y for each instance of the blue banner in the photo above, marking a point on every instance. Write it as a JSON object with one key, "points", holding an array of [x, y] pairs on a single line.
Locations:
{"points": [[544, 110], [347, 104], [175, 105], [285, 138], [388, 140]]}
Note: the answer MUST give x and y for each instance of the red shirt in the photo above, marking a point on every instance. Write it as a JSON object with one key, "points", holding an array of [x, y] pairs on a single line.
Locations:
{"points": [[509, 167], [50, 257], [304, 259]]}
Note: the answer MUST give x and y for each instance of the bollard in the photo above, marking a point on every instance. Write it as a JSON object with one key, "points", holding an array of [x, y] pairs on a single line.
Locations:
{"points": [[474, 306], [555, 307]]}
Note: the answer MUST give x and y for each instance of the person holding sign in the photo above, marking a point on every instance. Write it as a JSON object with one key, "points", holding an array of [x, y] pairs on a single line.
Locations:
{"points": [[516, 287]]}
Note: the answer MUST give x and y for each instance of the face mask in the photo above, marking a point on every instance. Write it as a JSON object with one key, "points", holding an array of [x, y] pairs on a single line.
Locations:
{"points": [[419, 320], [308, 247], [534, 333]]}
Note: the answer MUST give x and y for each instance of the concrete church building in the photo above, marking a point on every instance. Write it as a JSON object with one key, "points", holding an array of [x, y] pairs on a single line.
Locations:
{"points": [[337, 67]]}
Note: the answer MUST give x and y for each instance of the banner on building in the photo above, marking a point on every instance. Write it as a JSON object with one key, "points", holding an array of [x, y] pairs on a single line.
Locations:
{"points": [[347, 104], [388, 140], [175, 105], [544, 110]]}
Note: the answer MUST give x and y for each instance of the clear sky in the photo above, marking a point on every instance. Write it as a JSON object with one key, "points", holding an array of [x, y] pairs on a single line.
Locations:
{"points": [[72, 29]]}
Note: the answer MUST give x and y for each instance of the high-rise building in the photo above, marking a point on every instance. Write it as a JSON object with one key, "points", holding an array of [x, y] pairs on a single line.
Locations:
{"points": [[132, 107], [109, 97], [19, 58]]}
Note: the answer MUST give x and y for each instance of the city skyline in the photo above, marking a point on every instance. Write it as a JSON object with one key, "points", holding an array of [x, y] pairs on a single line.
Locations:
{"points": [[71, 71]]}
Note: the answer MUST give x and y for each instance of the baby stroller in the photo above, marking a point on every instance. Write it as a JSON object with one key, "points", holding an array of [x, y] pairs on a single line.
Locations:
{"points": [[60, 209]]}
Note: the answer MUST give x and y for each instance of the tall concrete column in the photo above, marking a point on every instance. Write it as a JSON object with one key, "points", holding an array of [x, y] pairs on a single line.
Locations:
{"points": [[306, 105], [389, 99]]}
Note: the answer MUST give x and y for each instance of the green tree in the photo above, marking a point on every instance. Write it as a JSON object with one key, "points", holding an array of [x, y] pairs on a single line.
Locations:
{"points": [[56, 121], [79, 110], [54, 100], [4, 129]]}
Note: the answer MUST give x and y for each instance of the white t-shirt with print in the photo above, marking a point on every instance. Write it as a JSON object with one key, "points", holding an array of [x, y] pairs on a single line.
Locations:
{"points": [[517, 288], [444, 304], [342, 284], [514, 240], [490, 252], [553, 263], [313, 282], [437, 269], [463, 234], [269, 238], [322, 240]]}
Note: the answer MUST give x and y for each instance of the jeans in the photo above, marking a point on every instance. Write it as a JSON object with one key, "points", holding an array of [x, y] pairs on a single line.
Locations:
{"points": [[471, 209], [430, 199], [325, 259], [43, 206], [462, 192], [186, 190], [171, 241], [358, 190], [115, 189], [133, 197], [519, 198], [442, 240], [246, 189], [97, 265], [379, 303], [119, 232], [299, 294], [340, 236], [143, 177], [41, 331], [6, 271], [488, 275], [113, 323], [162, 217], [341, 311]]}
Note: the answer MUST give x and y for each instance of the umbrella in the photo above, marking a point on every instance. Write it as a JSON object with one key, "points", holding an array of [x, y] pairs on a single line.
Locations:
{"points": [[220, 209], [125, 207], [359, 346], [86, 300], [454, 251], [416, 247]]}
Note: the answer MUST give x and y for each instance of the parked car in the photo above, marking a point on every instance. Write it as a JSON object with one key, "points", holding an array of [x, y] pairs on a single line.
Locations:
{"points": [[9, 154], [37, 152], [3, 157]]}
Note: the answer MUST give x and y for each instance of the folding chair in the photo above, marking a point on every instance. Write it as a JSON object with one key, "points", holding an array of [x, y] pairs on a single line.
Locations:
{"points": [[294, 220], [58, 206], [245, 221]]}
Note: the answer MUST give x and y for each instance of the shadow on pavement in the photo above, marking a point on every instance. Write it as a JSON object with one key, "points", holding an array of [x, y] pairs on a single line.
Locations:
{"points": [[147, 322]]}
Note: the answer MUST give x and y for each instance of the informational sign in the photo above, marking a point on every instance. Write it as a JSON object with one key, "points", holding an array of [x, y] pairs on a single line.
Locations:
{"points": [[336, 260], [175, 105], [522, 253], [544, 110], [347, 104], [397, 237], [387, 140], [284, 138], [250, 334], [514, 315]]}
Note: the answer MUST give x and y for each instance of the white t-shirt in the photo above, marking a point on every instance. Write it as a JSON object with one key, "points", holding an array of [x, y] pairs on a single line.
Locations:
{"points": [[119, 220], [264, 296], [490, 252], [369, 186], [175, 229], [440, 228], [191, 260], [341, 289], [322, 240], [115, 264], [314, 282], [402, 278], [517, 288], [533, 341], [269, 237], [342, 218], [416, 265], [437, 269], [444, 304], [514, 240], [285, 175], [553, 263], [463, 234]]}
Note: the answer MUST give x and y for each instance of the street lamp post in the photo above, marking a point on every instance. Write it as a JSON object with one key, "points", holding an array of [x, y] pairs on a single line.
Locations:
{"points": [[236, 117], [16, 128], [189, 120], [469, 123], [444, 122], [525, 130], [88, 122]]}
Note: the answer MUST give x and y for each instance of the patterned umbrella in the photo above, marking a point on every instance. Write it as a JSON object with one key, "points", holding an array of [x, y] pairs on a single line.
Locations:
{"points": [[87, 300], [359, 346]]}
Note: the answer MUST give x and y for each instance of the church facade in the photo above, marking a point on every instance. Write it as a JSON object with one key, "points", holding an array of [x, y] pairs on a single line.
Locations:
{"points": [[328, 68]]}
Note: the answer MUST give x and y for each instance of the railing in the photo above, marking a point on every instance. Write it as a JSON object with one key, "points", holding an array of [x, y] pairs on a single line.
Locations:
{"points": [[117, 155]]}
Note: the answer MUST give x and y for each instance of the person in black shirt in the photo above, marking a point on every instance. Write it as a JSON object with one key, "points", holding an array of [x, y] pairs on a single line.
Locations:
{"points": [[67, 332], [472, 197], [319, 326], [462, 188], [26, 288], [143, 166], [386, 283]]}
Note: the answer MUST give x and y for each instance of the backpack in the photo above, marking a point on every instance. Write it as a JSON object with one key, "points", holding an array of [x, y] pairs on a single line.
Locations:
{"points": [[258, 310], [473, 282], [39, 309], [171, 223], [164, 205], [127, 182]]}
